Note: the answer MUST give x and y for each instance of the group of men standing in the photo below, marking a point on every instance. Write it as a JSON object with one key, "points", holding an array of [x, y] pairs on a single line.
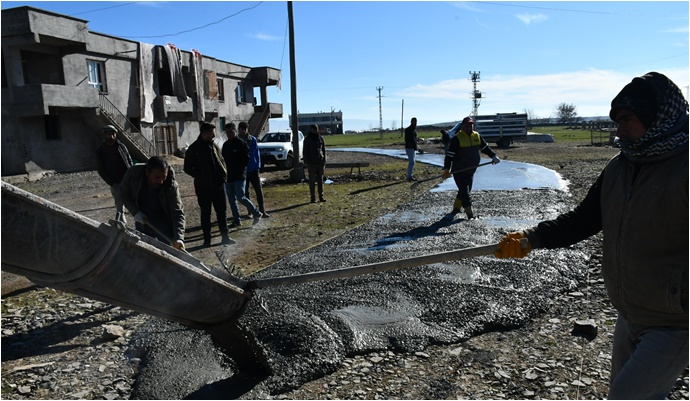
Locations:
{"points": [[151, 194]]}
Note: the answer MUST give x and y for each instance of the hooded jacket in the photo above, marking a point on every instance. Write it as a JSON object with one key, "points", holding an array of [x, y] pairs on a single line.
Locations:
{"points": [[640, 201]]}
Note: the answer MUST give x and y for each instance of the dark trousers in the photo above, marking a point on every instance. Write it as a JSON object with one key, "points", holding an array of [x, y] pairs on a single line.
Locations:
{"points": [[464, 183], [212, 197], [315, 178], [254, 179]]}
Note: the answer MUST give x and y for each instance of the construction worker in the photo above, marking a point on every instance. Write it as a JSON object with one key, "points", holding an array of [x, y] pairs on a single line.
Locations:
{"points": [[113, 160], [640, 202], [150, 192], [462, 158]]}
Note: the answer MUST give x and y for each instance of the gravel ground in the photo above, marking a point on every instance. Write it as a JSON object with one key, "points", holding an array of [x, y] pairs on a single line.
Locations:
{"points": [[59, 346]]}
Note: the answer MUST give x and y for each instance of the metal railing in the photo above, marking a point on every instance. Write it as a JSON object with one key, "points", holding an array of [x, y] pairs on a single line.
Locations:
{"points": [[120, 121]]}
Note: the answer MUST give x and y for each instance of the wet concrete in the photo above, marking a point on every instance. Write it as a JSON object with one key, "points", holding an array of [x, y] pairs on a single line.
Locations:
{"points": [[305, 330]]}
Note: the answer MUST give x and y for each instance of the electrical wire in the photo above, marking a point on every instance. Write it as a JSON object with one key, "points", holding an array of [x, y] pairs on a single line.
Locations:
{"points": [[196, 28]]}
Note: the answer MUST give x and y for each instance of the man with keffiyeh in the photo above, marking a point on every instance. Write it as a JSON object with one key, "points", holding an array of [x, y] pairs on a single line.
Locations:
{"points": [[640, 202]]}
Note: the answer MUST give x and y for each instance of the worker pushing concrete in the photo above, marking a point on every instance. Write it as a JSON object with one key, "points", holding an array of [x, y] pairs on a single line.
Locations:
{"points": [[462, 160]]}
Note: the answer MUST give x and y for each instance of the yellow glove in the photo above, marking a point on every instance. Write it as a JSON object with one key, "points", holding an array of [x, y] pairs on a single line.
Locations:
{"points": [[511, 246], [446, 173], [178, 245]]}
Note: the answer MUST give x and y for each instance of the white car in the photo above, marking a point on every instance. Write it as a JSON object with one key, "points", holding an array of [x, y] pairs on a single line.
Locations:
{"points": [[276, 148]]}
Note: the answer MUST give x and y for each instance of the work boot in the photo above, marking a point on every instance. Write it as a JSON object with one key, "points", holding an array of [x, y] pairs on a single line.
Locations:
{"points": [[457, 206], [468, 212]]}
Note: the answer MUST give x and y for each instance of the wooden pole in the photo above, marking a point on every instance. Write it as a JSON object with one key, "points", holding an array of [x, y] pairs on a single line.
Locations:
{"points": [[375, 267]]}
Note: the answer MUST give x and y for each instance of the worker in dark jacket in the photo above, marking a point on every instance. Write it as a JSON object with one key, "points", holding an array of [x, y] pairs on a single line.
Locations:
{"points": [[204, 162], [411, 147], [462, 158], [315, 159], [113, 160], [236, 155], [640, 202], [151, 194]]}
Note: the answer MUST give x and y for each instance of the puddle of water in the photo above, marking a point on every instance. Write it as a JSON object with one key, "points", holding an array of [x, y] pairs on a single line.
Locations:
{"points": [[504, 176], [457, 274]]}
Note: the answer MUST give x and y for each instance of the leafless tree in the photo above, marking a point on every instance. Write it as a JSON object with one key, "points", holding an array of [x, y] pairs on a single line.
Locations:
{"points": [[566, 113]]}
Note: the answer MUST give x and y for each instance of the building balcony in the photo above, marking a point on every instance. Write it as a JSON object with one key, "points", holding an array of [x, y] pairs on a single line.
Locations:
{"points": [[36, 100], [172, 104], [275, 110], [264, 76]]}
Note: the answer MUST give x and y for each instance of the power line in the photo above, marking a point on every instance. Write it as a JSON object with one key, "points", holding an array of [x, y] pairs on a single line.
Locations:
{"points": [[106, 8], [561, 9], [197, 28]]}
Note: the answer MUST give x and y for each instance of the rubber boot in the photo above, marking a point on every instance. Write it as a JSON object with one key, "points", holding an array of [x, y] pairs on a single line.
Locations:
{"points": [[457, 206], [468, 212]]}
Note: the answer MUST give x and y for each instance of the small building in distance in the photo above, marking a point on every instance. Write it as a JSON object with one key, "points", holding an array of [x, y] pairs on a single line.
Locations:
{"points": [[329, 122], [61, 83]]}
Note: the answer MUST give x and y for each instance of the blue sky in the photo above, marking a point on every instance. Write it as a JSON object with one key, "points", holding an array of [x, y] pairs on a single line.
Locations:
{"points": [[531, 55]]}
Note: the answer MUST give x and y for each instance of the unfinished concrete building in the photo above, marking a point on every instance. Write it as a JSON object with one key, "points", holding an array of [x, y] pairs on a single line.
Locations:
{"points": [[61, 83]]}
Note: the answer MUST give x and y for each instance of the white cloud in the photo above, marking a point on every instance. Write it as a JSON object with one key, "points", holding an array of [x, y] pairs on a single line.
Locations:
{"points": [[529, 18], [471, 6], [590, 90], [265, 36]]}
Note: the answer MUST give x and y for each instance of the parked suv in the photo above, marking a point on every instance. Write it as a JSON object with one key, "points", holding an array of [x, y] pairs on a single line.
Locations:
{"points": [[276, 148]]}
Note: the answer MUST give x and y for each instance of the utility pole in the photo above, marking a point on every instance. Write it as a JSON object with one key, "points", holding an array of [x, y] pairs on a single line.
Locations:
{"points": [[380, 88], [402, 118], [297, 172], [476, 95]]}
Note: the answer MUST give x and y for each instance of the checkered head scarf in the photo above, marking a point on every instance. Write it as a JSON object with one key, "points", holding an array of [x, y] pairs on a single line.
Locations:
{"points": [[659, 104]]}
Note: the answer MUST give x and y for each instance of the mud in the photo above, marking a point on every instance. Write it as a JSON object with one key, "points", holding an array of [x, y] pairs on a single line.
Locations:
{"points": [[306, 330]]}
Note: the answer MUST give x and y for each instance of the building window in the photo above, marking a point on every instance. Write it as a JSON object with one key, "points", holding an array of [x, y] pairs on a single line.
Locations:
{"points": [[96, 75], [221, 90], [221, 124], [240, 93]]}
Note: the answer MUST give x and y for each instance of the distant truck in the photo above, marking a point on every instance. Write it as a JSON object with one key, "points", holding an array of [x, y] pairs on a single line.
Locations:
{"points": [[502, 128]]}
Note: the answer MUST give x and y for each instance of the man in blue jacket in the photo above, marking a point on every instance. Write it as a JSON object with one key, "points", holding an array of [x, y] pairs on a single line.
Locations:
{"points": [[253, 168]]}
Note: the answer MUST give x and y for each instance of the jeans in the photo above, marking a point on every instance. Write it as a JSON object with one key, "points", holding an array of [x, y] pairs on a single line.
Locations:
{"points": [[254, 179], [410, 161], [646, 361], [119, 203], [235, 192]]}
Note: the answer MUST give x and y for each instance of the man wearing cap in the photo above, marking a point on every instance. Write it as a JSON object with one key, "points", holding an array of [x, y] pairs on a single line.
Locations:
{"points": [[113, 160], [640, 202], [462, 159], [204, 162]]}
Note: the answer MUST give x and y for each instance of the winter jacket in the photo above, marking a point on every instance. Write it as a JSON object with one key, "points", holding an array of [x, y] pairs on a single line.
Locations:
{"points": [[236, 155], [170, 199], [314, 149], [254, 154], [463, 152], [110, 166], [410, 138], [204, 162], [642, 208]]}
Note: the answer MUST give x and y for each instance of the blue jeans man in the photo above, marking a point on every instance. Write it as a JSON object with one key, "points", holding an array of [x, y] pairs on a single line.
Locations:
{"points": [[235, 192], [410, 162]]}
